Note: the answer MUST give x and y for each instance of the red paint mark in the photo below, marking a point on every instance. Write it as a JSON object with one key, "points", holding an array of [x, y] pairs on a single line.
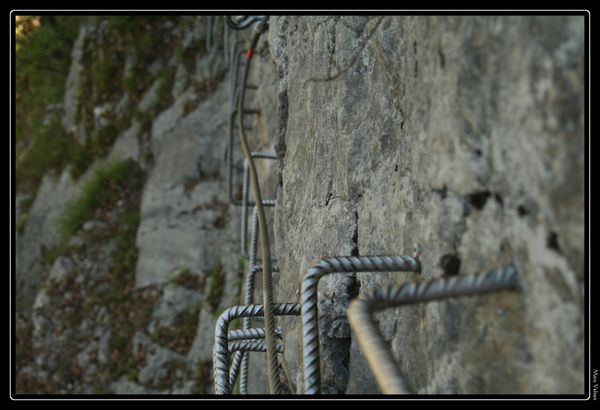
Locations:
{"points": [[250, 53]]}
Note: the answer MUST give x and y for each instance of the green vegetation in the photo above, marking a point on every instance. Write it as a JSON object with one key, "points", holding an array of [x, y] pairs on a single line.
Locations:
{"points": [[126, 59], [216, 283], [130, 55], [202, 378], [42, 63], [180, 336], [128, 310], [102, 189], [187, 279]]}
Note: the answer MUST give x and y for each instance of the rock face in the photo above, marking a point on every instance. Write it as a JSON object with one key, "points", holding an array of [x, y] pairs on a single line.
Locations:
{"points": [[40, 234], [461, 134], [184, 198]]}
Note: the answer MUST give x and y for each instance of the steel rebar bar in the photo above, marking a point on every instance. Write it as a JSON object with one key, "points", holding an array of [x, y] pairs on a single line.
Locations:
{"points": [[220, 348], [251, 333], [310, 320], [251, 346], [240, 358], [245, 200], [360, 313]]}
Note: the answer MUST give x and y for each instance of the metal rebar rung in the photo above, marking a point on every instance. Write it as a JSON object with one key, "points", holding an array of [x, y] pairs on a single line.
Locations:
{"points": [[240, 358], [221, 349], [251, 346], [245, 195], [360, 313], [250, 333], [310, 322]]}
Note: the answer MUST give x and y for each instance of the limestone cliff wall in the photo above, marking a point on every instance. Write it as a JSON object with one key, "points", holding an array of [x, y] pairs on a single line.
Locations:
{"points": [[462, 134]]}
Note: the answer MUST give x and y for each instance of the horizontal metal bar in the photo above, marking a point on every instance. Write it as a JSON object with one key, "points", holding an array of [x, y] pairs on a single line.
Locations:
{"points": [[251, 333], [371, 341], [251, 346], [310, 320], [220, 348]]}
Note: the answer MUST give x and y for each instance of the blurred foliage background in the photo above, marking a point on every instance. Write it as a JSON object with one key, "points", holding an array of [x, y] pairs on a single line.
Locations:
{"points": [[43, 48]]}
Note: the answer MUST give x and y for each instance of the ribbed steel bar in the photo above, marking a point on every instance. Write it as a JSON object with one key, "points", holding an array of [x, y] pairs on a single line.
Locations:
{"points": [[243, 22], [244, 221], [240, 358], [360, 313], [233, 73], [252, 256], [251, 346], [248, 299], [244, 228], [245, 200], [233, 101], [234, 369], [310, 320], [234, 81], [220, 348], [251, 333], [254, 239]]}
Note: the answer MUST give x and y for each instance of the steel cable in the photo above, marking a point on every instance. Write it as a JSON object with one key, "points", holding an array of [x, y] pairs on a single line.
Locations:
{"points": [[245, 200], [273, 366], [240, 358], [244, 22], [360, 313]]}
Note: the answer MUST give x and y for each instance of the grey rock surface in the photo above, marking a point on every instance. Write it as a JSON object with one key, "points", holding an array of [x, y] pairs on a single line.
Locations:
{"points": [[461, 134], [183, 197], [40, 234], [174, 301], [465, 135], [73, 85]]}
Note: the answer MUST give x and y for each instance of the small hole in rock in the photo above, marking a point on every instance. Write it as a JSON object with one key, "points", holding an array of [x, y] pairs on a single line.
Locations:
{"points": [[450, 264], [478, 199], [522, 211], [552, 242]]}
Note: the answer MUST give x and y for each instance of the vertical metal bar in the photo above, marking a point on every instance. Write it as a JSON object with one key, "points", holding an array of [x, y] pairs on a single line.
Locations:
{"points": [[220, 348], [244, 221], [310, 320], [245, 202], [248, 299]]}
